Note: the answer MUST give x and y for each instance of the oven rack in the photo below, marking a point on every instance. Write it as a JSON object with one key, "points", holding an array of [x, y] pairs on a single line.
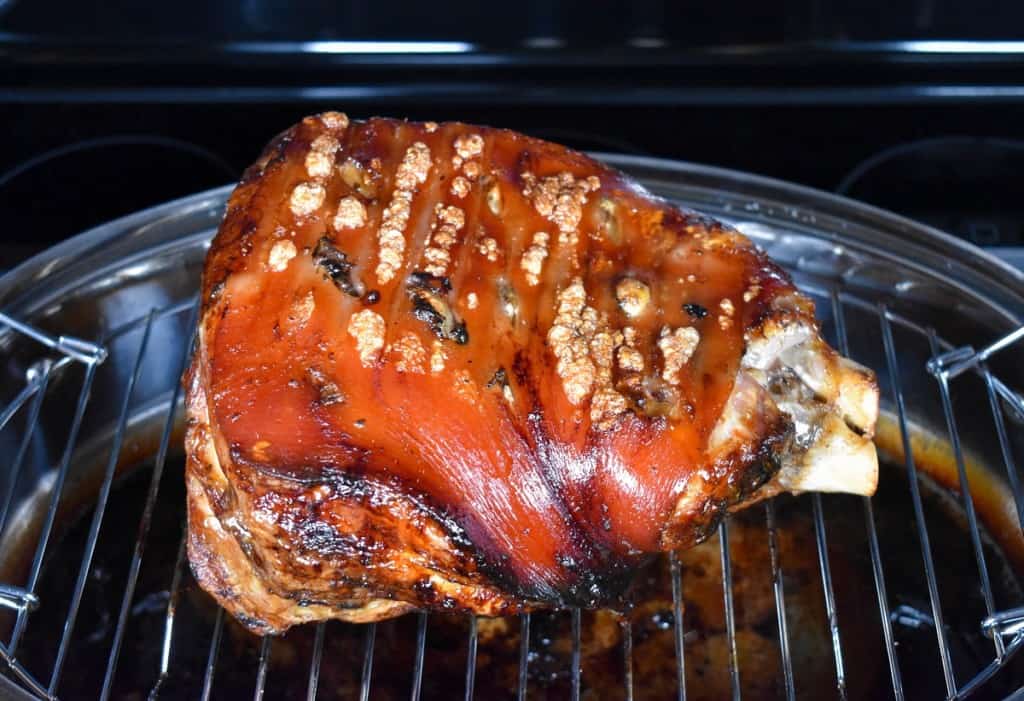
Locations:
{"points": [[1004, 627]]}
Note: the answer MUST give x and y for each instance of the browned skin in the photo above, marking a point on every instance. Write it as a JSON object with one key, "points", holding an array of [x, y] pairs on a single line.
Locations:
{"points": [[326, 482]]}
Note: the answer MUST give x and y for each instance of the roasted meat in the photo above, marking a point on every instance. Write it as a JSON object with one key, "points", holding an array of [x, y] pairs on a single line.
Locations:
{"points": [[454, 367]]}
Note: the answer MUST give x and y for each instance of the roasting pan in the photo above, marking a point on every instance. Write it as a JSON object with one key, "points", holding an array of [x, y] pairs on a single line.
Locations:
{"points": [[915, 593]]}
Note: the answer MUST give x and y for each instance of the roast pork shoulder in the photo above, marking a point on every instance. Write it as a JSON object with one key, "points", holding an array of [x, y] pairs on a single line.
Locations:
{"points": [[451, 367]]}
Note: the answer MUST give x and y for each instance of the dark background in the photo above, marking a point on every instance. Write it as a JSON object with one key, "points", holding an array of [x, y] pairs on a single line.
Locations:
{"points": [[108, 107]]}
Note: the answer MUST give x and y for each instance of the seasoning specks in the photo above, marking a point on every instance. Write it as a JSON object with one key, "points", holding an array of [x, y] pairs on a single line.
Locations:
{"points": [[410, 354], [437, 357], [569, 338], [630, 359], [584, 347], [302, 309], [367, 328], [677, 347], [560, 198], [607, 403], [448, 221], [306, 198], [280, 254], [469, 146], [725, 318], [351, 214], [488, 248], [319, 164], [533, 258], [460, 186], [334, 120], [320, 159], [411, 173]]}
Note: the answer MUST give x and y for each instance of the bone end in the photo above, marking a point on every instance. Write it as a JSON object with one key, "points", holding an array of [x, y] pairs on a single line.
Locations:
{"points": [[841, 460]]}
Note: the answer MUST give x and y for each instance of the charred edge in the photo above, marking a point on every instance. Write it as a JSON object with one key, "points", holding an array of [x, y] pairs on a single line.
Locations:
{"points": [[606, 585], [328, 390], [521, 369], [246, 469], [509, 300], [654, 397], [426, 592], [496, 570], [420, 279], [695, 310], [355, 484], [427, 596], [430, 305], [312, 536], [498, 379], [216, 290], [272, 155], [336, 267], [256, 625], [680, 219], [759, 474], [481, 563], [749, 471]]}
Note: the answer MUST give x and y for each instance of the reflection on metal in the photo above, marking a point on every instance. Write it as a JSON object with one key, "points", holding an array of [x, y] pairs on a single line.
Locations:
{"points": [[519, 94], [960, 359], [17, 598], [354, 47], [82, 351], [1007, 624], [952, 363], [954, 47]]}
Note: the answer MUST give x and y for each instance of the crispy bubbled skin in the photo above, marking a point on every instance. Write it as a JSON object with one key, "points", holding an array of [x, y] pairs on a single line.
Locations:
{"points": [[478, 383]]}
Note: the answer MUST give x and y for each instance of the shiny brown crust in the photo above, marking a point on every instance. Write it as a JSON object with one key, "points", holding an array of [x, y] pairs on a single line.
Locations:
{"points": [[454, 367]]}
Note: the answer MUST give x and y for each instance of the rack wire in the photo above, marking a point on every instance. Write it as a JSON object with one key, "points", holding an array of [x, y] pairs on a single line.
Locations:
{"points": [[1004, 627]]}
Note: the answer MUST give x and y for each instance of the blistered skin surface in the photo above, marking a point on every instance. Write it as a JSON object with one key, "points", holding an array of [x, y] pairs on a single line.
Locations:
{"points": [[448, 366]]}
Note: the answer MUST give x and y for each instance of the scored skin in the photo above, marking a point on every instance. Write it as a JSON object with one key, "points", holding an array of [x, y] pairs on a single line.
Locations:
{"points": [[427, 483]]}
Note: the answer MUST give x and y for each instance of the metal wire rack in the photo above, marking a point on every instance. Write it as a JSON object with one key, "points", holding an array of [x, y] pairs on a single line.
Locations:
{"points": [[70, 372], [1005, 627]]}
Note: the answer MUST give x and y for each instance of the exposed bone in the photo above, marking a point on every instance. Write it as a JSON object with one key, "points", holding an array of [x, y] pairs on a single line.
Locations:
{"points": [[839, 461], [831, 401]]}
